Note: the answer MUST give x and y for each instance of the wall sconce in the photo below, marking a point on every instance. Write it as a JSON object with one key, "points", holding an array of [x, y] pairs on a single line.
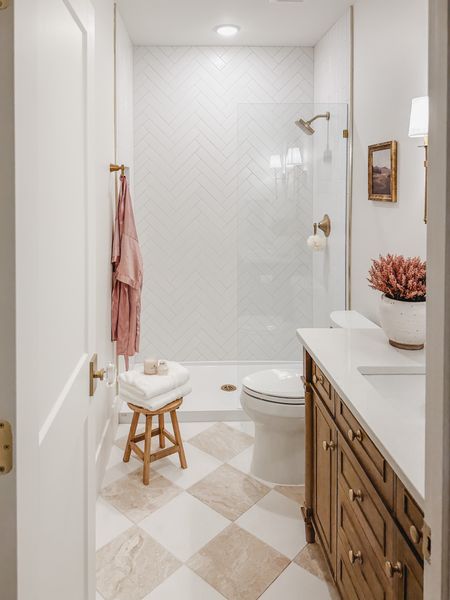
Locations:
{"points": [[418, 127], [294, 157]]}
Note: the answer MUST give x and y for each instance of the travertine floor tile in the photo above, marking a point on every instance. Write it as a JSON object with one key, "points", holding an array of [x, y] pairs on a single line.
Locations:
{"points": [[132, 565], [109, 523], [136, 500], [312, 559], [294, 492], [184, 584], [228, 491], [184, 525], [297, 584], [276, 520], [238, 565], [222, 441]]}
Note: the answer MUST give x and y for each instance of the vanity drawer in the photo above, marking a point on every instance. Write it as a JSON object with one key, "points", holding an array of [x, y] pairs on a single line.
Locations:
{"points": [[370, 513], [410, 517], [375, 466], [359, 575], [323, 388]]}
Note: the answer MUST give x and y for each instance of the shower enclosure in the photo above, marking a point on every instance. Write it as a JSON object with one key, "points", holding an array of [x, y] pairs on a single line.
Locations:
{"points": [[226, 296], [288, 179]]}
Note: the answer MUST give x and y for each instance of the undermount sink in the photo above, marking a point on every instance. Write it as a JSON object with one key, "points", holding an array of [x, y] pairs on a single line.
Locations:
{"points": [[404, 388]]}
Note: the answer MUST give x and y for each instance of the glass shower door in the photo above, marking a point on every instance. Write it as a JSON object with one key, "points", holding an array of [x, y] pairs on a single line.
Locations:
{"points": [[287, 180]]}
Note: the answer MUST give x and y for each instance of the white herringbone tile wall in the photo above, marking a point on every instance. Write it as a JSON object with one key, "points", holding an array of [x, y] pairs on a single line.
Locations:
{"points": [[205, 199]]}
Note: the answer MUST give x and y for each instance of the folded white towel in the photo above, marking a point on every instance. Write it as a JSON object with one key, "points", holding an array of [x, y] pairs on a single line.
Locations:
{"points": [[158, 401], [148, 386]]}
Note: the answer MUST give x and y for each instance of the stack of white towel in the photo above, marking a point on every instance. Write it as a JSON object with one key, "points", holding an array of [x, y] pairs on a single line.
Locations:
{"points": [[154, 391]]}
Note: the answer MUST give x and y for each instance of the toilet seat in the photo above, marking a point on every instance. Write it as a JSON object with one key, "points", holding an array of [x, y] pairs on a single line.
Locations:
{"points": [[279, 386]]}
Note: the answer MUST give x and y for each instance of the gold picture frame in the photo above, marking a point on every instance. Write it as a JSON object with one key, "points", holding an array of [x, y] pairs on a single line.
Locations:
{"points": [[383, 172]]}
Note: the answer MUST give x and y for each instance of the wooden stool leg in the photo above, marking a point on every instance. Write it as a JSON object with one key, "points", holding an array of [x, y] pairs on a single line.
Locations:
{"points": [[162, 439], [132, 433], [147, 449], [176, 431]]}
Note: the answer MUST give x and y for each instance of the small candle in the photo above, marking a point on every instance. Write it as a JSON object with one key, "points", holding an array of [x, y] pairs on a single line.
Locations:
{"points": [[150, 366], [163, 368]]}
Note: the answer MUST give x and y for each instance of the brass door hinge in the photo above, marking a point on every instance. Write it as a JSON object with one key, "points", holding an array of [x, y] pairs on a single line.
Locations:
{"points": [[4, 4], [6, 448], [345, 133], [426, 542]]}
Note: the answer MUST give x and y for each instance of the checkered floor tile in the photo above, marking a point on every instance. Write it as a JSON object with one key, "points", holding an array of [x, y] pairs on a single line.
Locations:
{"points": [[212, 531]]}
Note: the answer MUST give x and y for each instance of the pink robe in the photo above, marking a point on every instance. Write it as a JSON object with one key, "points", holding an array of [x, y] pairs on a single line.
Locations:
{"points": [[127, 278]]}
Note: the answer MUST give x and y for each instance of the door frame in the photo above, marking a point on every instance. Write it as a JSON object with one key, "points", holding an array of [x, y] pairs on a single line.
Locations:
{"points": [[8, 550], [437, 458]]}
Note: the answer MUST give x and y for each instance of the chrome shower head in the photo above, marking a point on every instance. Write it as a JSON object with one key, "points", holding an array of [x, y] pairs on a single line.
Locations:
{"points": [[305, 126]]}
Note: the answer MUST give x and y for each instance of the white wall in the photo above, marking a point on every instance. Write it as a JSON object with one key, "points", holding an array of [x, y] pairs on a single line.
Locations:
{"points": [[104, 137], [390, 68], [332, 72], [124, 99], [187, 200]]}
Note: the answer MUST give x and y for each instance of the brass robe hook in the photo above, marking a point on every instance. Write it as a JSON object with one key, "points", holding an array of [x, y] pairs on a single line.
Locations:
{"points": [[324, 225], [113, 168]]}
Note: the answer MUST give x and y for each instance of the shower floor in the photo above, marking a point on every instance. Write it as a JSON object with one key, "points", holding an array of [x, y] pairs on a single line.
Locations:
{"points": [[208, 402]]}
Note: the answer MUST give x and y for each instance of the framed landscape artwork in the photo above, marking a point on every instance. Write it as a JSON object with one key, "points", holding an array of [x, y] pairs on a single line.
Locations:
{"points": [[383, 172]]}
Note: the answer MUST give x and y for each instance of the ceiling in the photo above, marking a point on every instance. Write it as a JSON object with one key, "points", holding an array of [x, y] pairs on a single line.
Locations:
{"points": [[262, 22]]}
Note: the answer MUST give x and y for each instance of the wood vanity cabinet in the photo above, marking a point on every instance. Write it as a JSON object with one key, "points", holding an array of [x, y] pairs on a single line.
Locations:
{"points": [[325, 489], [362, 515]]}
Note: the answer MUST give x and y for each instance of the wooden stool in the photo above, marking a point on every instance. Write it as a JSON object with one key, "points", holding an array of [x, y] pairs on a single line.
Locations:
{"points": [[147, 456]]}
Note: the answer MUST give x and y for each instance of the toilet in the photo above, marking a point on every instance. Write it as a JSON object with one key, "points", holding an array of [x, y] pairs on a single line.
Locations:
{"points": [[274, 401]]}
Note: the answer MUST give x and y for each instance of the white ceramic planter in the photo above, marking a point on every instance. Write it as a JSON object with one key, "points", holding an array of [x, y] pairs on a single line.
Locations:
{"points": [[403, 322]]}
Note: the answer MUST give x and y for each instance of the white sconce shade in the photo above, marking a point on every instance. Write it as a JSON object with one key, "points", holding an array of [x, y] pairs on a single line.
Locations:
{"points": [[418, 123], [275, 161], [294, 157]]}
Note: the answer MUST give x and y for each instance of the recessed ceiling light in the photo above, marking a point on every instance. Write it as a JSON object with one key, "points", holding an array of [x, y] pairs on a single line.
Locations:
{"points": [[227, 30]]}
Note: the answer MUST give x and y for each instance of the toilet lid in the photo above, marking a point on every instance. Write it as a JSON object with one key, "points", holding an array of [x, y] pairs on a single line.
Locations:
{"points": [[284, 385]]}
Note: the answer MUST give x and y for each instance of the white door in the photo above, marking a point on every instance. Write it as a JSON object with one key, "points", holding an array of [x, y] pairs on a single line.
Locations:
{"points": [[55, 298]]}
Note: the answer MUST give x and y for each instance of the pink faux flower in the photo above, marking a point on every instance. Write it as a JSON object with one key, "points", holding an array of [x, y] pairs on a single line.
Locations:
{"points": [[399, 278]]}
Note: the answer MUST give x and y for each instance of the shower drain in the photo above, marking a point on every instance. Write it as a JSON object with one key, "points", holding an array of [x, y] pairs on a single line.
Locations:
{"points": [[228, 387]]}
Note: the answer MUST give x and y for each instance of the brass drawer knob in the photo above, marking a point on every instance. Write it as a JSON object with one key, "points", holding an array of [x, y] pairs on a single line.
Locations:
{"points": [[393, 568], [415, 534], [328, 445], [355, 435], [354, 557], [355, 495]]}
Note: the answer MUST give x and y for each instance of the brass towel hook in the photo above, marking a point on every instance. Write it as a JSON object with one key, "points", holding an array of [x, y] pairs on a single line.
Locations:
{"points": [[113, 168], [324, 225]]}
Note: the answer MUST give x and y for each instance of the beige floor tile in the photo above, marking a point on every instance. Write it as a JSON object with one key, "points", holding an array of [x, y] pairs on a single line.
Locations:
{"points": [[228, 491], [122, 441], [312, 559], [132, 565], [294, 492], [136, 500], [222, 441], [238, 565]]}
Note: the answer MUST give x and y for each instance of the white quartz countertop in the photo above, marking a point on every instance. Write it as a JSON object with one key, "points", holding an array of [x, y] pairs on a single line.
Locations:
{"points": [[390, 408]]}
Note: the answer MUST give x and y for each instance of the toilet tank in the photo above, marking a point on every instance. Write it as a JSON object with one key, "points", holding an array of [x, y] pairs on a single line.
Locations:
{"points": [[351, 319]]}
